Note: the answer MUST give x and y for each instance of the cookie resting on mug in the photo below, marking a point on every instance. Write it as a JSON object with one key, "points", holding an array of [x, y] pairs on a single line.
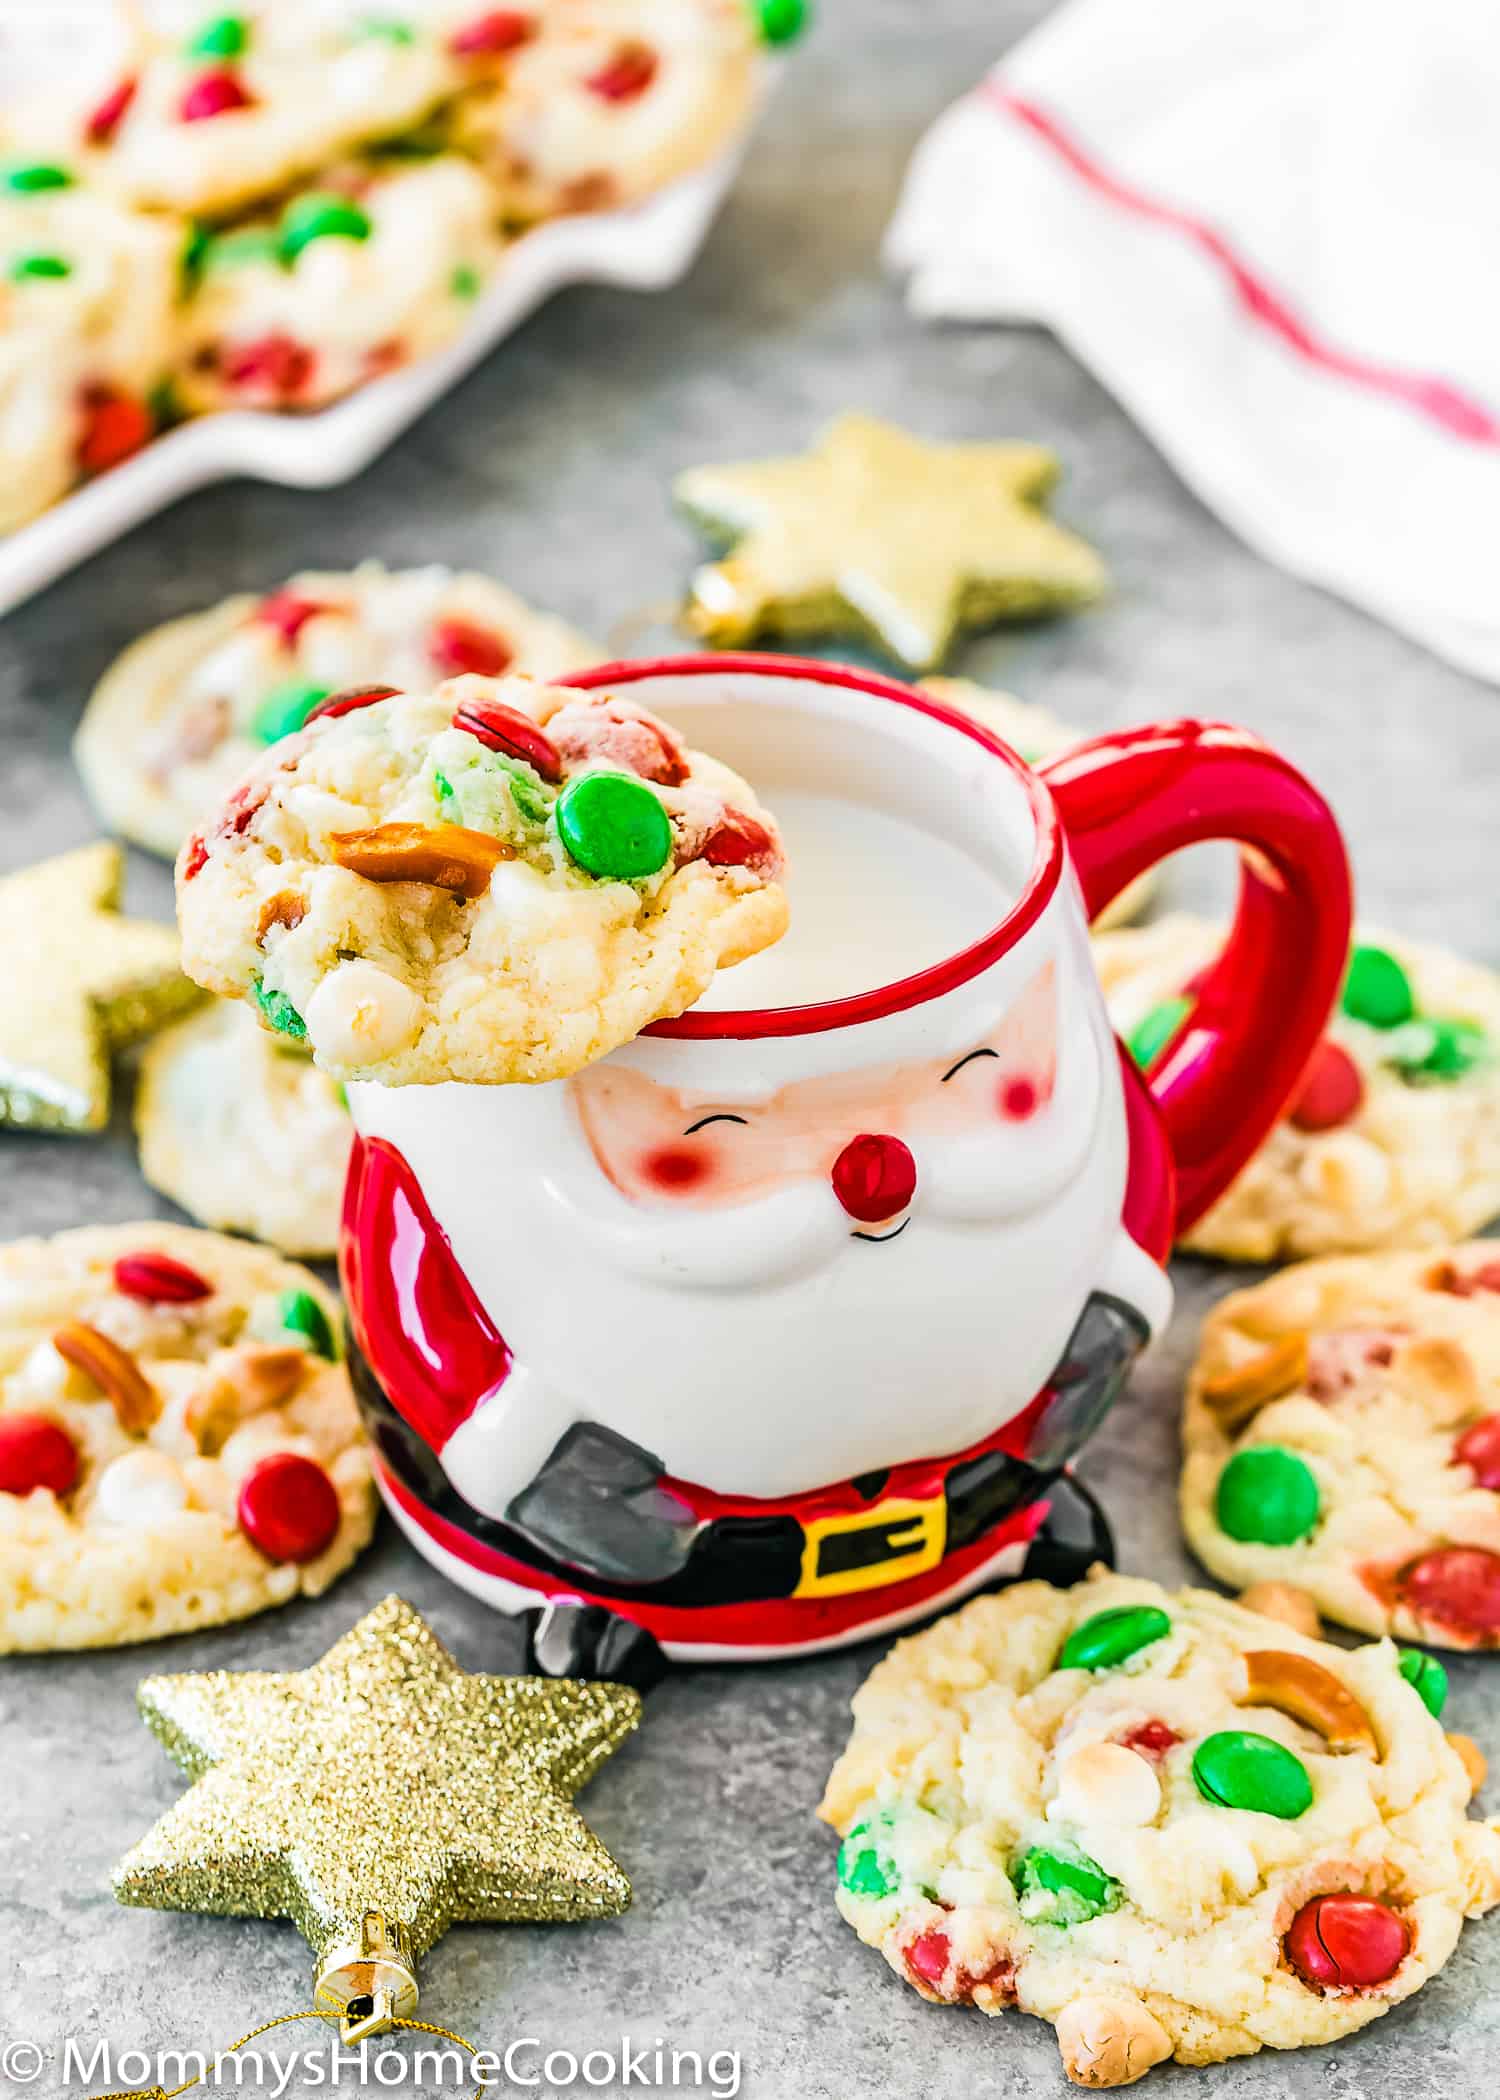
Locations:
{"points": [[367, 268], [1342, 1435], [87, 296], [604, 101], [1393, 1138], [1157, 1820], [178, 717], [494, 881], [178, 1445], [243, 1131]]}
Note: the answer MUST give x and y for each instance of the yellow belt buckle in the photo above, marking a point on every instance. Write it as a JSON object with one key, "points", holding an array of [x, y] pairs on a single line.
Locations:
{"points": [[912, 1533]]}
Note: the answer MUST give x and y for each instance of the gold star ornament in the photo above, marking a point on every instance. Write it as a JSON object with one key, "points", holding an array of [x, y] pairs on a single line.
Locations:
{"points": [[79, 982], [876, 533], [376, 1799]]}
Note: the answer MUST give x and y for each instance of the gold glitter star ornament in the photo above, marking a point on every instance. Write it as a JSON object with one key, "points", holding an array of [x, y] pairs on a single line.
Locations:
{"points": [[876, 533], [79, 981], [376, 1799]]}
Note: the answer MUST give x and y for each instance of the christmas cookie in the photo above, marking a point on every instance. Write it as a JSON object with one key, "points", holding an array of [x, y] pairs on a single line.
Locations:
{"points": [[1168, 1826], [1036, 734], [1394, 1138], [176, 720], [367, 269], [876, 533], [494, 881], [603, 101], [178, 1442], [216, 109], [79, 982], [243, 1130], [1342, 1436], [87, 290]]}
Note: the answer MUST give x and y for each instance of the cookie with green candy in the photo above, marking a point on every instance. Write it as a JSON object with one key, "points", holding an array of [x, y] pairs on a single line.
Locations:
{"points": [[880, 534], [88, 291], [189, 705], [1163, 1823], [81, 982], [1342, 1437], [493, 880], [1393, 1137]]}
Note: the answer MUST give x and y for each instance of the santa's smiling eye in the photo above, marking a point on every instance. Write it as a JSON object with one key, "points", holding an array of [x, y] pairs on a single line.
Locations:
{"points": [[720, 1116], [953, 1069]]}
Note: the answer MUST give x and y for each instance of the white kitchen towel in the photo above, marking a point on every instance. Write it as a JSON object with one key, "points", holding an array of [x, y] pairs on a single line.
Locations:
{"points": [[1271, 228]]}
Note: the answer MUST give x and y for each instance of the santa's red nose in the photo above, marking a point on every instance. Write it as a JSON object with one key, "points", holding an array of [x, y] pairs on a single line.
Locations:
{"points": [[874, 1177]]}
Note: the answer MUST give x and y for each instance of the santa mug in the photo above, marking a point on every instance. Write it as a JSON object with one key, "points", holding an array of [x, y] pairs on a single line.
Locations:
{"points": [[777, 1327]]}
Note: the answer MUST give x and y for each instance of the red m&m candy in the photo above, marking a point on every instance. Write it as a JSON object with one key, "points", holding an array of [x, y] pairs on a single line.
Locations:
{"points": [[456, 646], [158, 1280], [214, 95], [501, 29], [289, 1507], [627, 74], [1479, 1449], [1457, 1587], [114, 426], [105, 119], [36, 1453], [350, 700], [738, 842], [288, 613], [1331, 1090], [928, 1957], [1346, 1943], [514, 735]]}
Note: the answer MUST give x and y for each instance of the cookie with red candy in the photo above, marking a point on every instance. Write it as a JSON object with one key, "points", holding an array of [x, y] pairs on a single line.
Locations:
{"points": [[1165, 1824], [88, 289], [1393, 1137], [369, 266], [1342, 1436], [493, 880], [599, 102], [179, 716], [179, 1444]]}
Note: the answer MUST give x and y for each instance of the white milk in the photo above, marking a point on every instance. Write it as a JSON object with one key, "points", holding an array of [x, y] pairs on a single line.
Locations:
{"points": [[873, 899]]}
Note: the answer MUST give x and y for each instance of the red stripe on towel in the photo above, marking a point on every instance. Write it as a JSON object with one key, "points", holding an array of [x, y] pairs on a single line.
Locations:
{"points": [[1442, 403]]}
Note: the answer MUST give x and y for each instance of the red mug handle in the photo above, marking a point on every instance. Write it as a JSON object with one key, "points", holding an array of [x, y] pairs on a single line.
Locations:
{"points": [[1229, 1069]]}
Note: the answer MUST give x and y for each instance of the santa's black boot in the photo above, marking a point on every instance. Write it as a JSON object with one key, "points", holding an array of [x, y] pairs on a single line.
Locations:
{"points": [[585, 1640], [1075, 1534]]}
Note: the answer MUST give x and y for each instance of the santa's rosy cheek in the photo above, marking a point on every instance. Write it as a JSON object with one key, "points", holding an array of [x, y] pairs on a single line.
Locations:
{"points": [[1018, 1098], [674, 1169]]}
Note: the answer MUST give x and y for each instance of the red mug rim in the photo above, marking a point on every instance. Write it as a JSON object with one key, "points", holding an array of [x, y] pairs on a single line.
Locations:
{"points": [[953, 970]]}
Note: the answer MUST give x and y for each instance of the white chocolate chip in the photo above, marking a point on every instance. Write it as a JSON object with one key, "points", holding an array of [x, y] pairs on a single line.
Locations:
{"points": [[1105, 1783], [139, 1488], [360, 1013], [257, 1439]]}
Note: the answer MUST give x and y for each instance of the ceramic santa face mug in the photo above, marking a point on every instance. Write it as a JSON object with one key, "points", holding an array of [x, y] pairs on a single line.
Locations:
{"points": [[776, 1327]]}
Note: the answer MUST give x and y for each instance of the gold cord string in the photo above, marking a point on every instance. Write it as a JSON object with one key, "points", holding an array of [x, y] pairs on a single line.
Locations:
{"points": [[157, 2092]]}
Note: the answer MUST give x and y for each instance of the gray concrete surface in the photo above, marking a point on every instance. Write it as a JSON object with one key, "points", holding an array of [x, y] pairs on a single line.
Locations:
{"points": [[550, 466]]}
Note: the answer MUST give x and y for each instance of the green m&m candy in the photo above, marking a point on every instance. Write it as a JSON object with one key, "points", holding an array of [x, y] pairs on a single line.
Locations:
{"points": [[284, 710], [614, 827], [320, 216], [464, 281], [1377, 990], [222, 36], [1111, 1637], [29, 176], [1427, 1677], [1267, 1497], [1065, 1888], [865, 1867], [781, 20], [300, 1313], [1238, 1769], [387, 28], [280, 1012], [1440, 1050], [24, 266], [231, 251], [1154, 1030]]}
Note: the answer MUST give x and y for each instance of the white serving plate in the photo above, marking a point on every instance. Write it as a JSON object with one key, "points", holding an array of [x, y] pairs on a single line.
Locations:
{"points": [[644, 248]]}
